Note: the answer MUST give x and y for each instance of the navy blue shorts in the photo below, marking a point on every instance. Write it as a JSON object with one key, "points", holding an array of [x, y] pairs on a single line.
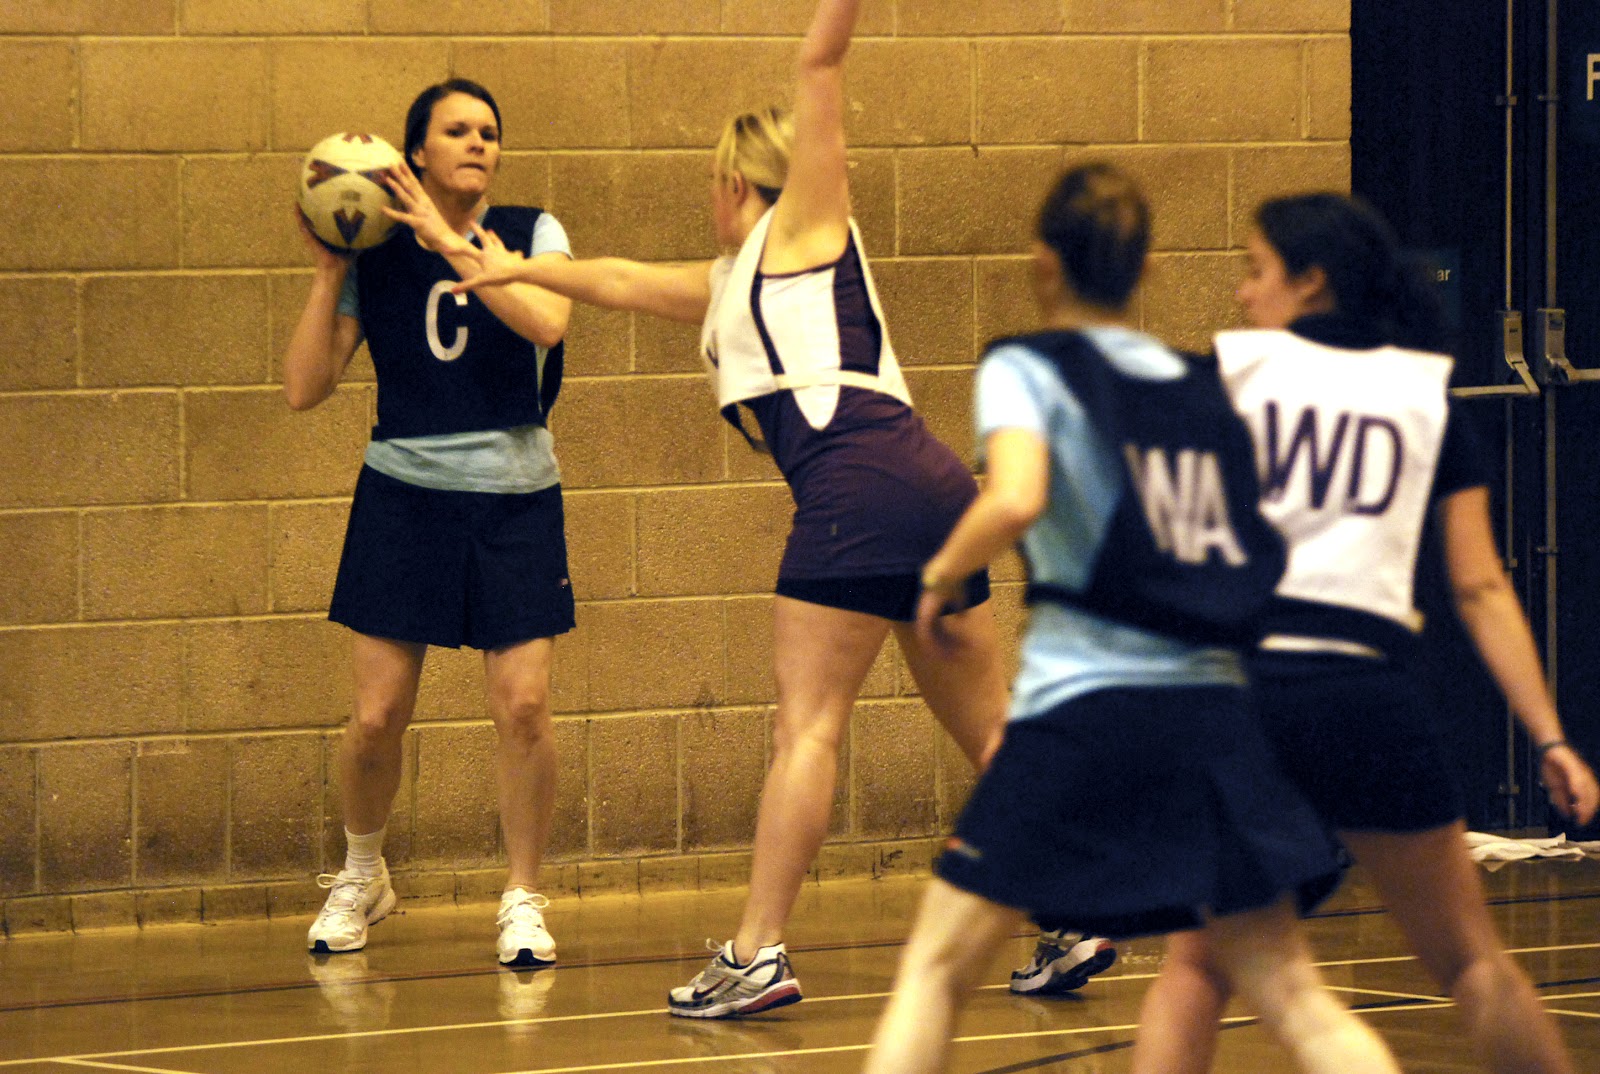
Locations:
{"points": [[888, 596], [453, 568], [1135, 811], [1355, 737]]}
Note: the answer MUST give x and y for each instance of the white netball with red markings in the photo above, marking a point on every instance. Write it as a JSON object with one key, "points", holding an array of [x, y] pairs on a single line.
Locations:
{"points": [[342, 191]]}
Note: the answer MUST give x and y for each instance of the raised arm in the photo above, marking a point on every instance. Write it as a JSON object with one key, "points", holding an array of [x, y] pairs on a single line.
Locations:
{"points": [[811, 220], [1489, 610], [323, 340], [679, 292]]}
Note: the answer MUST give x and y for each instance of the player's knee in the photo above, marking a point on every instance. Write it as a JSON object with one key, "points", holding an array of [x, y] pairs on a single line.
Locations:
{"points": [[378, 722], [809, 731], [1485, 975], [524, 716]]}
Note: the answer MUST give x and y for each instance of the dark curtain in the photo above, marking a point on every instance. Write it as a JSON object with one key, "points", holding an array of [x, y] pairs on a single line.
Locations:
{"points": [[1429, 150]]}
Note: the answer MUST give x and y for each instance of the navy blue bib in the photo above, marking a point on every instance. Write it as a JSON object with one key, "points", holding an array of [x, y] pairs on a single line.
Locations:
{"points": [[1186, 554], [445, 363]]}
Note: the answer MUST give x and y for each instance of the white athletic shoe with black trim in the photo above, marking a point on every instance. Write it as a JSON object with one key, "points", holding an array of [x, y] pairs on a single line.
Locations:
{"points": [[1063, 962], [354, 902], [725, 989], [524, 941]]}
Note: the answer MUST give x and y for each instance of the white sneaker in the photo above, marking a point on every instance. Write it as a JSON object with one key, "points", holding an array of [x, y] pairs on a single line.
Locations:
{"points": [[354, 902], [1063, 962], [726, 989], [524, 941]]}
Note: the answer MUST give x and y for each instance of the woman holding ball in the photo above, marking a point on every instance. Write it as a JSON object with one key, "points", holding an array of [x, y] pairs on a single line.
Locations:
{"points": [[793, 333], [456, 533]]}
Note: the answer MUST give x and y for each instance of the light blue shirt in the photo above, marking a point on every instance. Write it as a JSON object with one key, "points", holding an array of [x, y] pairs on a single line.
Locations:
{"points": [[1066, 651], [515, 460]]}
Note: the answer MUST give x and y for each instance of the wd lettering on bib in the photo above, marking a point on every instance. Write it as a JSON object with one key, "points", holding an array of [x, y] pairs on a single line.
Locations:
{"points": [[1368, 450], [1186, 506], [1347, 446]]}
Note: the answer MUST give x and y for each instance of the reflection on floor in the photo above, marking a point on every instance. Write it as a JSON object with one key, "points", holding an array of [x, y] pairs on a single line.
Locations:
{"points": [[426, 995]]}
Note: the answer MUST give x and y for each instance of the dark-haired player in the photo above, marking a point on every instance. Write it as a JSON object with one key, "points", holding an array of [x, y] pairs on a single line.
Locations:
{"points": [[456, 534], [1343, 385]]}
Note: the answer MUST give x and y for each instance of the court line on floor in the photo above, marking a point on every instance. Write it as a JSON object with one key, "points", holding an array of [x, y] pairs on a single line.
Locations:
{"points": [[811, 1001], [463, 1026], [81, 1059], [796, 1053], [100, 1065], [1573, 995], [1413, 997], [602, 963], [977, 1038]]}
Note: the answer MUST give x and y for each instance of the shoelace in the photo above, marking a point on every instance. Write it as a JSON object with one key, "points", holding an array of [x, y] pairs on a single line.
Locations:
{"points": [[346, 893], [714, 971], [519, 909]]}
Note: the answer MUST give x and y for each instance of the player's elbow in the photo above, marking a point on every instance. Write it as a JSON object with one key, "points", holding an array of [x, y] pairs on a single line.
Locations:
{"points": [[1476, 591], [1015, 509], [302, 396], [548, 336], [548, 326], [821, 56]]}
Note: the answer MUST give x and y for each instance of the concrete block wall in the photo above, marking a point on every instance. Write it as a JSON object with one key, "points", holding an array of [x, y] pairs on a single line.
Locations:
{"points": [[170, 694]]}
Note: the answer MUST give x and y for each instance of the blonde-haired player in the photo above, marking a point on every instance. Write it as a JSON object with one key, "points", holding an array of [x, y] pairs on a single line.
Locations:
{"points": [[794, 338]]}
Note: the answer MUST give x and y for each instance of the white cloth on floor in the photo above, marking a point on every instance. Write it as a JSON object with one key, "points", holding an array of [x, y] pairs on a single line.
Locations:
{"points": [[1493, 851]]}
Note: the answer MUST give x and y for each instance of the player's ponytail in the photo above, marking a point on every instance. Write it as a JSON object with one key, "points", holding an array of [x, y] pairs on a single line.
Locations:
{"points": [[757, 145], [1370, 277], [1416, 312], [1096, 220]]}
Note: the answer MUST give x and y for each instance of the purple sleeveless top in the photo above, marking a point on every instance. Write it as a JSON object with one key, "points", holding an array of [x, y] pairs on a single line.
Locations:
{"points": [[875, 492]]}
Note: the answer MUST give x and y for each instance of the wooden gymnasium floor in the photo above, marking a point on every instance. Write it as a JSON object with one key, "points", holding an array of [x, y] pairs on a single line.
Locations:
{"points": [[426, 996]]}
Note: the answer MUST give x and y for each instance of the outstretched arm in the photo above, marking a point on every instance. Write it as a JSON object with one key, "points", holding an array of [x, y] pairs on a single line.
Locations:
{"points": [[675, 292], [811, 221], [535, 315], [1489, 610]]}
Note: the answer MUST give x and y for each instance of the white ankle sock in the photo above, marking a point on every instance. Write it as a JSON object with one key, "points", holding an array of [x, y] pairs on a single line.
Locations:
{"points": [[363, 854]]}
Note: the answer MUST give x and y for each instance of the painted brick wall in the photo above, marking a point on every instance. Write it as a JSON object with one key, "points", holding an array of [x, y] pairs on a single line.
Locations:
{"points": [[169, 692]]}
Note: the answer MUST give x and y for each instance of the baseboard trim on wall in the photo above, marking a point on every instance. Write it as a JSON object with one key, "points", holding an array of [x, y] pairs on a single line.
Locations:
{"points": [[211, 904]]}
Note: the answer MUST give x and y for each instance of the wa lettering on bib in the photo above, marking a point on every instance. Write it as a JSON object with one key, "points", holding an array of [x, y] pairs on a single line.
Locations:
{"points": [[1185, 504], [1187, 553]]}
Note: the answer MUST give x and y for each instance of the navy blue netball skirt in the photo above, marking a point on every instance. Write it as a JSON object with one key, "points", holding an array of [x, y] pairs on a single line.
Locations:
{"points": [[1137, 811], [1355, 737], [449, 568]]}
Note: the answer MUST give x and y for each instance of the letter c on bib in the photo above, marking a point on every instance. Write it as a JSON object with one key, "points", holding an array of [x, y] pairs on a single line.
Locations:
{"points": [[435, 344]]}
